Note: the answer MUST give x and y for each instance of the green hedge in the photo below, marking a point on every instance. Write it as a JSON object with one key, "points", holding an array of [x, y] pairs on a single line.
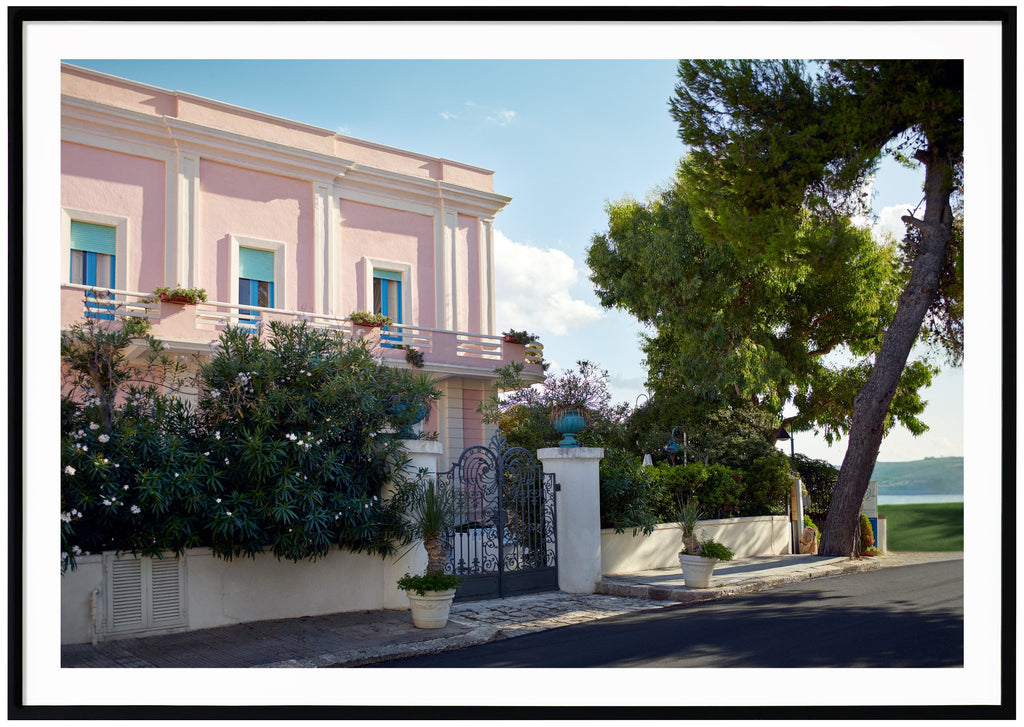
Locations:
{"points": [[637, 498]]}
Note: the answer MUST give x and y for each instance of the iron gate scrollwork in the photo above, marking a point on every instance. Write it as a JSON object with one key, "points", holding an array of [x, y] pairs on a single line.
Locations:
{"points": [[502, 540]]}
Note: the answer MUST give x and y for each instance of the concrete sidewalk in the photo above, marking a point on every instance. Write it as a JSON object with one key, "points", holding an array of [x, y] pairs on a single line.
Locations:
{"points": [[352, 639]]}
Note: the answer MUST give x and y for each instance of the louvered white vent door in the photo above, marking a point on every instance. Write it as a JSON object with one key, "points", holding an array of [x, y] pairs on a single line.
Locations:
{"points": [[145, 593], [167, 594], [125, 594]]}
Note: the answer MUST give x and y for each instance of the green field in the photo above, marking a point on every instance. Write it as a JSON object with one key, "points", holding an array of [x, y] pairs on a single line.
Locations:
{"points": [[927, 527]]}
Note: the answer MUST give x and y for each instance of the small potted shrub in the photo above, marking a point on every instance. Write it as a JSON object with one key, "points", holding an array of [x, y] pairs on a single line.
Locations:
{"points": [[867, 537], [411, 410], [698, 557], [370, 320], [180, 295], [431, 594], [520, 337], [573, 397], [414, 356]]}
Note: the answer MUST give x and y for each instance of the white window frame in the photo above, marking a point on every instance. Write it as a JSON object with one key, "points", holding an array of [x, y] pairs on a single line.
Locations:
{"points": [[120, 225], [392, 266], [282, 295]]}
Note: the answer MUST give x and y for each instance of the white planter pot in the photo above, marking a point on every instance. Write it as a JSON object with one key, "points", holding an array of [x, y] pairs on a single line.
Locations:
{"points": [[696, 570], [430, 611]]}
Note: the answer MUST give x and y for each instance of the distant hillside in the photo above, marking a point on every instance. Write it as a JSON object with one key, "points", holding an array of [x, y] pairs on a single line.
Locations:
{"points": [[930, 476]]}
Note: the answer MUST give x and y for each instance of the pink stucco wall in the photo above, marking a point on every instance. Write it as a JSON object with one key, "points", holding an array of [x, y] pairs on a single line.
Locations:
{"points": [[235, 201], [377, 232], [117, 184], [472, 421]]}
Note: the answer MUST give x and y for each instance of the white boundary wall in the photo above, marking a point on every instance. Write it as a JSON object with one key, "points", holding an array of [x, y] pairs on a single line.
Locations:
{"points": [[221, 593], [745, 536]]}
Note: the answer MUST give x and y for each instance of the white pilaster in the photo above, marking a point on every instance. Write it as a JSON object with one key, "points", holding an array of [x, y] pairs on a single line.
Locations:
{"points": [[333, 255], [578, 506], [185, 268], [321, 235], [486, 255], [447, 284]]}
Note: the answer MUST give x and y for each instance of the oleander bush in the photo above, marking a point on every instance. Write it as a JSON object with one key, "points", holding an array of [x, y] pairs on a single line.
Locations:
{"points": [[289, 448]]}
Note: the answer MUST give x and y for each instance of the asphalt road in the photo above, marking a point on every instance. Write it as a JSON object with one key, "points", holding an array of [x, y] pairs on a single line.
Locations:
{"points": [[911, 616]]}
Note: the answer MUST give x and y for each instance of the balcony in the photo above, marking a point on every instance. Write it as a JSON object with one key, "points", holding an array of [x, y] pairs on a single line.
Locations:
{"points": [[196, 329]]}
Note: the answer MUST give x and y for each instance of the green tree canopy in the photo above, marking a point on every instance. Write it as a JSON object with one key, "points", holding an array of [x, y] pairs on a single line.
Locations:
{"points": [[778, 147], [735, 330]]}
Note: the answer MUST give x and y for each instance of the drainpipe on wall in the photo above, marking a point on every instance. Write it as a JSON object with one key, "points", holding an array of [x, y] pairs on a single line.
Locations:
{"points": [[93, 610]]}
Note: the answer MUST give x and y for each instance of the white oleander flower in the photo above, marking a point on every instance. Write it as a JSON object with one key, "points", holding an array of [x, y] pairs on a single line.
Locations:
{"points": [[69, 470], [104, 438]]}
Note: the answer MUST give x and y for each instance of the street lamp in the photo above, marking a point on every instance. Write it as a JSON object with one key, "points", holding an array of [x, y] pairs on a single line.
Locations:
{"points": [[782, 436]]}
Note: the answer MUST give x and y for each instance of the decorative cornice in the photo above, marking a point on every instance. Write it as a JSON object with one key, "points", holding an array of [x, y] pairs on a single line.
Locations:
{"points": [[238, 149], [114, 127]]}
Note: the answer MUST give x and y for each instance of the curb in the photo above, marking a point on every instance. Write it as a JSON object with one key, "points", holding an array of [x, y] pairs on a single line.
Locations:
{"points": [[360, 657], [697, 595]]}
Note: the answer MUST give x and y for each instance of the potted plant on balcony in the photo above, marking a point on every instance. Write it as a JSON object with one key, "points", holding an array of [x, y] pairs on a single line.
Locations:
{"points": [[431, 594], [698, 557], [369, 320], [180, 295], [414, 356], [520, 337]]}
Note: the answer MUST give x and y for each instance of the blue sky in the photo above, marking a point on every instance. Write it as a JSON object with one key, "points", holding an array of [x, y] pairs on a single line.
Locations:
{"points": [[564, 137]]}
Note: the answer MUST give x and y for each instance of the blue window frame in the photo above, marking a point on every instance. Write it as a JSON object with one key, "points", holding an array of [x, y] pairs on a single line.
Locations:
{"points": [[387, 300], [94, 262], [255, 281]]}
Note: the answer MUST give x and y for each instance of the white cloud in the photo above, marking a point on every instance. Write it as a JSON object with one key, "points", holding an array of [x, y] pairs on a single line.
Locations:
{"points": [[533, 289], [503, 117], [889, 221], [448, 115]]}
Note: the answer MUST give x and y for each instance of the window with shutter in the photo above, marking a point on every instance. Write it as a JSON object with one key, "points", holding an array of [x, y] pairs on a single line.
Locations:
{"points": [[144, 594], [94, 262], [255, 281]]}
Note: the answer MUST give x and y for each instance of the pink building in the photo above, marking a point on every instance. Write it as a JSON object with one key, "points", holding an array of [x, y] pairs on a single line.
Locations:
{"points": [[276, 219]]}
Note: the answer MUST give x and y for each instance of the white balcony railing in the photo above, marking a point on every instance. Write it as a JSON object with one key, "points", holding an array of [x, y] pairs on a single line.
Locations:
{"points": [[206, 320]]}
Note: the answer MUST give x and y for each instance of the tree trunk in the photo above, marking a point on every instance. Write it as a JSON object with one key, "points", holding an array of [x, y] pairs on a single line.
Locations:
{"points": [[436, 556], [842, 533]]}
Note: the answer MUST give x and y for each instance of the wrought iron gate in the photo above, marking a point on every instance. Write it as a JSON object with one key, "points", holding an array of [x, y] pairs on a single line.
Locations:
{"points": [[503, 536]]}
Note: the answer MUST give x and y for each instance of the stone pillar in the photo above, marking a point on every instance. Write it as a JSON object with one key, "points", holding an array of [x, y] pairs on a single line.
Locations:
{"points": [[578, 513], [423, 454], [796, 509]]}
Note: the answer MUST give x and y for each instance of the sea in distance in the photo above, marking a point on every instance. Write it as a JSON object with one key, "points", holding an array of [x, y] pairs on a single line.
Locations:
{"points": [[916, 499]]}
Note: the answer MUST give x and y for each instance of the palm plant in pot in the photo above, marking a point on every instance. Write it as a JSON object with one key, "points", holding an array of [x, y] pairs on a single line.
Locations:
{"points": [[698, 557], [431, 594]]}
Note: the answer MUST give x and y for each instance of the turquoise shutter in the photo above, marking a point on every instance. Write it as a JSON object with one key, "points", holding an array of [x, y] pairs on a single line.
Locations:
{"points": [[256, 264], [93, 238]]}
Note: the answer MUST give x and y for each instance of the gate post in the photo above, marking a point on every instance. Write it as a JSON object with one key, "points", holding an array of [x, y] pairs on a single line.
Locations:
{"points": [[577, 513], [423, 454]]}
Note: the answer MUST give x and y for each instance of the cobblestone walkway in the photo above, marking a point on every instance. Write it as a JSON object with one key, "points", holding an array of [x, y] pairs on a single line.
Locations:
{"points": [[526, 614]]}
